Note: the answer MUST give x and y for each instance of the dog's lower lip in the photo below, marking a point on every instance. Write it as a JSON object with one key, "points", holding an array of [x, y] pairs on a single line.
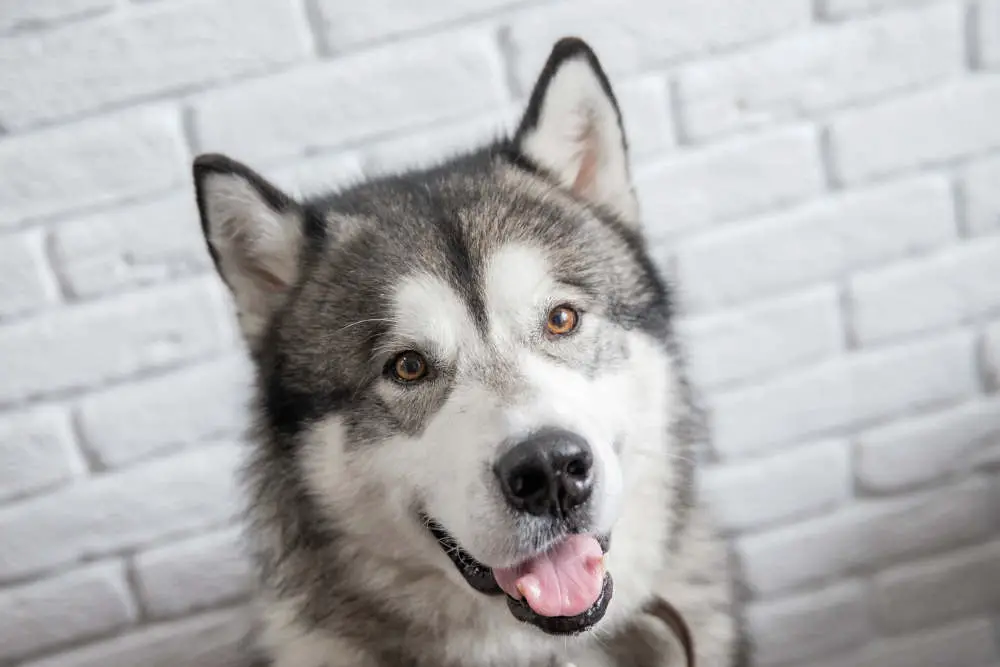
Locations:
{"points": [[477, 575], [565, 625]]}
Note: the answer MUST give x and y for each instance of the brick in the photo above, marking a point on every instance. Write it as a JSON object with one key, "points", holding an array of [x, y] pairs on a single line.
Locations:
{"points": [[816, 242], [131, 247], [991, 347], [427, 146], [918, 595], [352, 98], [925, 449], [633, 35], [773, 335], [26, 284], [994, 480], [924, 128], [846, 8], [795, 483], [868, 534], [203, 573], [129, 423], [982, 198], [210, 640], [113, 339], [796, 629], [843, 392], [114, 512], [53, 74], [67, 608], [645, 108], [725, 181], [988, 457], [964, 643], [316, 174], [911, 377], [647, 114], [793, 407], [99, 161], [987, 15], [822, 69], [37, 452], [344, 25], [951, 287], [16, 15]]}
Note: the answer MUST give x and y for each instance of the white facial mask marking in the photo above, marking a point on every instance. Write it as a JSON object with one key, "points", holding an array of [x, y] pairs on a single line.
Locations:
{"points": [[427, 310]]}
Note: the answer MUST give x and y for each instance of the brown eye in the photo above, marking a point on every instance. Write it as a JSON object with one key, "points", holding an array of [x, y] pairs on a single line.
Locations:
{"points": [[409, 367], [562, 320]]}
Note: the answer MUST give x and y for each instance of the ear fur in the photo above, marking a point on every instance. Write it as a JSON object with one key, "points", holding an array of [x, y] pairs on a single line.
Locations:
{"points": [[572, 130], [254, 234]]}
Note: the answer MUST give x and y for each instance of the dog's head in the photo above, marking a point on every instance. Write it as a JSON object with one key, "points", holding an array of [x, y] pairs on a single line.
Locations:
{"points": [[469, 355]]}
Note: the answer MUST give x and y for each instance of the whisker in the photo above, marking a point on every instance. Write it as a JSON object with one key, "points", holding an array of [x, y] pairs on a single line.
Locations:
{"points": [[354, 324]]}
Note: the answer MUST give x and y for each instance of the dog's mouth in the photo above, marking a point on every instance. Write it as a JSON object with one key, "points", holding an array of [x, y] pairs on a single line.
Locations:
{"points": [[563, 590]]}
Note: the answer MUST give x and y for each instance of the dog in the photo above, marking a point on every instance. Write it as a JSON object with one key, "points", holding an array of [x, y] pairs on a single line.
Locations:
{"points": [[473, 440]]}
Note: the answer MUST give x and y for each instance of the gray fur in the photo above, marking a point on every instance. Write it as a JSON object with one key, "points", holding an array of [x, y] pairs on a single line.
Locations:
{"points": [[348, 575]]}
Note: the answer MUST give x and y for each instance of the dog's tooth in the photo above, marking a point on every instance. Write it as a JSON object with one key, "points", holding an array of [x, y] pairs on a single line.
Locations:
{"points": [[596, 565], [532, 590]]}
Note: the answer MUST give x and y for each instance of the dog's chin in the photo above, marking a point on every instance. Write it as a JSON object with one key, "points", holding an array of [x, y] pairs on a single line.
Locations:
{"points": [[480, 578]]}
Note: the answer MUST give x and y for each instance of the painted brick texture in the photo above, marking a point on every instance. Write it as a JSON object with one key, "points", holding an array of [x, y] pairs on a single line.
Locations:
{"points": [[821, 178]]}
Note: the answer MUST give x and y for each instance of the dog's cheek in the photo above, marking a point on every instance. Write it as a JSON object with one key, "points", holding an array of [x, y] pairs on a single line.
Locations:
{"points": [[349, 479], [323, 462]]}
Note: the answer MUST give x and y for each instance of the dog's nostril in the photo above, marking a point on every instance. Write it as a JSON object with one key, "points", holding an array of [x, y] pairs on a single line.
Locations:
{"points": [[549, 473], [528, 482], [578, 468]]}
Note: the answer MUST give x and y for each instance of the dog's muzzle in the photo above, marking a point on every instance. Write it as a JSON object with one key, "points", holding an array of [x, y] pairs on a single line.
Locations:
{"points": [[547, 479], [483, 579]]}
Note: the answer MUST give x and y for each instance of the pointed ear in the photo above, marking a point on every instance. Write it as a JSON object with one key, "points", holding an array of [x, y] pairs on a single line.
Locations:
{"points": [[572, 130], [254, 233]]}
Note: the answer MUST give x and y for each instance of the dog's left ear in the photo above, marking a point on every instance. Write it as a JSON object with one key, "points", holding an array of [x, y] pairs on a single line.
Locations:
{"points": [[572, 130]]}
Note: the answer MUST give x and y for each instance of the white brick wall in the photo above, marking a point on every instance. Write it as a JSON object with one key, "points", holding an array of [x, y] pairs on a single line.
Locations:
{"points": [[821, 176]]}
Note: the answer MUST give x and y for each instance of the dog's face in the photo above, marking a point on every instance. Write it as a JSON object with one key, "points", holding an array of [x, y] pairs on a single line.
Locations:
{"points": [[468, 355]]}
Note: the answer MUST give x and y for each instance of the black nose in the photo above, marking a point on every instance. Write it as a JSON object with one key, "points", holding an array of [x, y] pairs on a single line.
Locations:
{"points": [[548, 474]]}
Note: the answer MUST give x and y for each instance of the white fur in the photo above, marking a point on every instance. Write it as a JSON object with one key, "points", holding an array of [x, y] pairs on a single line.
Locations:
{"points": [[428, 312], [517, 286]]}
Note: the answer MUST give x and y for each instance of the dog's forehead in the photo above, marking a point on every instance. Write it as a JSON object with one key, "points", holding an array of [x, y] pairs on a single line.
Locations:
{"points": [[516, 277], [454, 237], [513, 280], [449, 256]]}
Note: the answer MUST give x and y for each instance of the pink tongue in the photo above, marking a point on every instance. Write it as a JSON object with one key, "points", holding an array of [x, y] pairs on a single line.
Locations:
{"points": [[566, 580]]}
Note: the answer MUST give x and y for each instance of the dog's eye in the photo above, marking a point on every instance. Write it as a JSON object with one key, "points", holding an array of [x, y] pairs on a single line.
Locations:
{"points": [[409, 367], [562, 320]]}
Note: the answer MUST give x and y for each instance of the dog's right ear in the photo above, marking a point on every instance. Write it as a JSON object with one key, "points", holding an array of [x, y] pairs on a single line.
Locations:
{"points": [[254, 235]]}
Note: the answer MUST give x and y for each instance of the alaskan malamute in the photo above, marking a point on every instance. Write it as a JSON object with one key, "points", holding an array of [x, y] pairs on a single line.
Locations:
{"points": [[473, 440]]}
